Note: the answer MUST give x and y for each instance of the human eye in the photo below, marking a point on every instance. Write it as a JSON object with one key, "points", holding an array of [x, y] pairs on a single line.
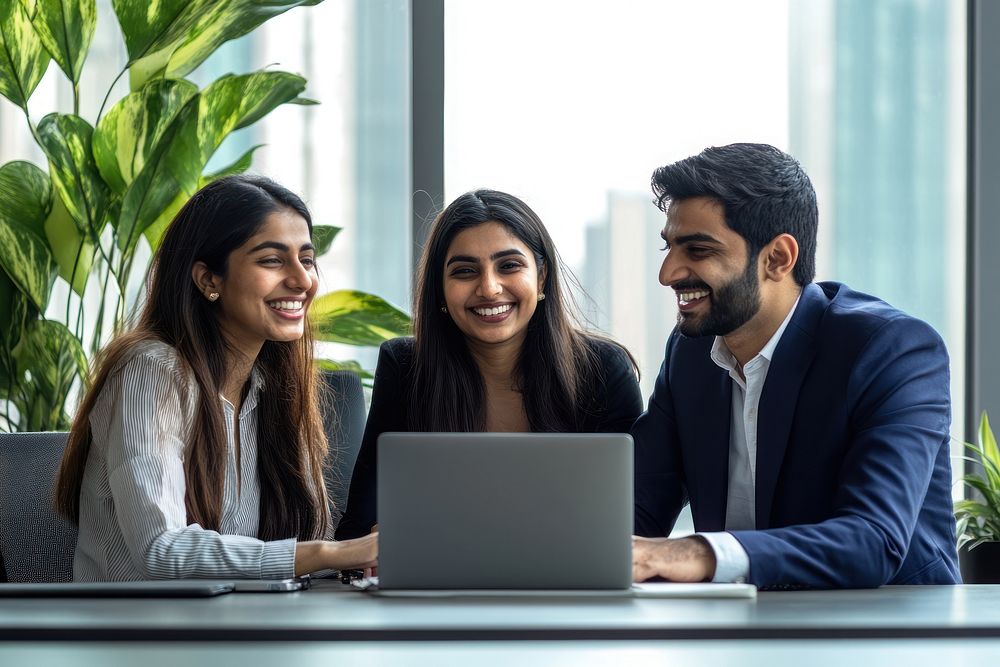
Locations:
{"points": [[308, 261], [697, 251], [511, 265], [269, 261], [462, 271]]}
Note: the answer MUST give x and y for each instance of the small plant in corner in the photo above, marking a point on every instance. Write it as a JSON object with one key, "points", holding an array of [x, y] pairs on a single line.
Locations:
{"points": [[978, 518]]}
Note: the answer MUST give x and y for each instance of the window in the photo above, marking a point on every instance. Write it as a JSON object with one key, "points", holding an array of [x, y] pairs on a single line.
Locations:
{"points": [[572, 107]]}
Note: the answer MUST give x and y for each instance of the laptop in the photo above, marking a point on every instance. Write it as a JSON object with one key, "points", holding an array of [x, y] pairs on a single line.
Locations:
{"points": [[171, 588], [504, 511]]}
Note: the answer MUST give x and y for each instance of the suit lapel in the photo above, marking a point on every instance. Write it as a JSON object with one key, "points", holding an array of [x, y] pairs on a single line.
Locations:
{"points": [[713, 394], [779, 397]]}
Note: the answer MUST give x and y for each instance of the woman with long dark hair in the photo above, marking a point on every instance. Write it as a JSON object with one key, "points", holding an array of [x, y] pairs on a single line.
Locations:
{"points": [[494, 347], [198, 449]]}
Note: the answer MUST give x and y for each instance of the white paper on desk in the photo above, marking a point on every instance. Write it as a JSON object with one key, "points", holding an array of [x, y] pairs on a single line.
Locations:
{"points": [[677, 590]]}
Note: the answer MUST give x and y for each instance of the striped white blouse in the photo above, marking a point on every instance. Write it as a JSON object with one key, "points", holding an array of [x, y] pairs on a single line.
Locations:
{"points": [[133, 524]]}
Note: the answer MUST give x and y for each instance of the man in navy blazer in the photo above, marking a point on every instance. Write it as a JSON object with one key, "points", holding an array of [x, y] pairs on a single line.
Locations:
{"points": [[806, 423]]}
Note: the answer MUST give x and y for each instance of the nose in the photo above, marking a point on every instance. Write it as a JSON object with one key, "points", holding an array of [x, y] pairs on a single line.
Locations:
{"points": [[672, 270], [300, 277], [489, 285]]}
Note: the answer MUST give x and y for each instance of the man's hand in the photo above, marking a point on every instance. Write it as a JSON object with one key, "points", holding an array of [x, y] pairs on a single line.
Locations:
{"points": [[686, 559]]}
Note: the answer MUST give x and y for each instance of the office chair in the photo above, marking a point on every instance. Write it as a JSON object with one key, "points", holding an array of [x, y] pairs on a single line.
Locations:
{"points": [[342, 404], [36, 544]]}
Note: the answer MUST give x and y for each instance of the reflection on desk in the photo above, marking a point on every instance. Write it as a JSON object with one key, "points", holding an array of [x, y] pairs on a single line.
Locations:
{"points": [[333, 612], [775, 653]]}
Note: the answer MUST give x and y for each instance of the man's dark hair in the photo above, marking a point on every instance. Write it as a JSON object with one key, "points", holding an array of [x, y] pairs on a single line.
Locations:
{"points": [[763, 192]]}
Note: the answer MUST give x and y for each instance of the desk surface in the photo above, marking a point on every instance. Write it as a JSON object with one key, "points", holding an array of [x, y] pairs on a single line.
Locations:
{"points": [[747, 653], [329, 612]]}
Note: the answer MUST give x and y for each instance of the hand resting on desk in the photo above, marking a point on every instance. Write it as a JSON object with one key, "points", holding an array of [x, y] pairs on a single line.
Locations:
{"points": [[688, 559], [318, 555]]}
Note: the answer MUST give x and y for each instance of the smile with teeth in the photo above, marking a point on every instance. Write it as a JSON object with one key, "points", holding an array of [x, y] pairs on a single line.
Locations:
{"points": [[286, 306], [688, 297], [496, 310]]}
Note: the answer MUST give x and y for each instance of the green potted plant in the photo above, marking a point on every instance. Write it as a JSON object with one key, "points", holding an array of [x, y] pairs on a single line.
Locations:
{"points": [[113, 182], [978, 518]]}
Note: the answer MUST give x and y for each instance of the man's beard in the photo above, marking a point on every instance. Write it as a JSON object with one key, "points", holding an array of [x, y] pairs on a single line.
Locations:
{"points": [[731, 306]]}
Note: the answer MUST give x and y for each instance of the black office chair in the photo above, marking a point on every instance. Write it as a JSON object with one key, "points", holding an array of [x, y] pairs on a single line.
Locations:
{"points": [[342, 403], [36, 544]]}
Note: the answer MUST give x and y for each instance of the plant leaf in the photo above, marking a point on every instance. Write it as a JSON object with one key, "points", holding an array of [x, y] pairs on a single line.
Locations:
{"points": [[23, 58], [350, 365], [26, 259], [154, 232], [990, 495], [990, 469], [234, 102], [72, 250], [172, 171], [241, 164], [134, 129], [323, 236], [15, 310], [988, 443], [187, 145], [356, 318], [65, 28], [54, 358], [66, 140], [25, 195], [148, 27], [172, 38], [230, 103]]}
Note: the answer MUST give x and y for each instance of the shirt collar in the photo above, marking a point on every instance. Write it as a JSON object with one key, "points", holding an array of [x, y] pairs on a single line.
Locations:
{"points": [[253, 393], [724, 359]]}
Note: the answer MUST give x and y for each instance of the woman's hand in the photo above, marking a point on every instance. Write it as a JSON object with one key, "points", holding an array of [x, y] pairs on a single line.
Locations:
{"points": [[318, 555]]}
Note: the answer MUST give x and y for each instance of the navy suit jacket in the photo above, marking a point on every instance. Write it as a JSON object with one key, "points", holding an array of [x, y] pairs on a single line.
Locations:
{"points": [[853, 481]]}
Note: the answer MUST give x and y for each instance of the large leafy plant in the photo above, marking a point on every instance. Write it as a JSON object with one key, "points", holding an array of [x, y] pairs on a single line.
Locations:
{"points": [[89, 222], [979, 518]]}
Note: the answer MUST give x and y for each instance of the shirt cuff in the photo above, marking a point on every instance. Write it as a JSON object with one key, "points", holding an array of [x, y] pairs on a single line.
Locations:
{"points": [[732, 564], [277, 560]]}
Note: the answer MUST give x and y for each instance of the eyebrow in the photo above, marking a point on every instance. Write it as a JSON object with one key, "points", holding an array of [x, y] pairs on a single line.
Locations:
{"points": [[280, 246], [475, 260], [691, 238]]}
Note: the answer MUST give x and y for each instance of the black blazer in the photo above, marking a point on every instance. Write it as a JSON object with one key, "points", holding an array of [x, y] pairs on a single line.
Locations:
{"points": [[615, 403]]}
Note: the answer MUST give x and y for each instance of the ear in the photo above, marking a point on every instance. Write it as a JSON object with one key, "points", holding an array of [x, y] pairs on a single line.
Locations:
{"points": [[780, 256], [206, 281], [543, 274]]}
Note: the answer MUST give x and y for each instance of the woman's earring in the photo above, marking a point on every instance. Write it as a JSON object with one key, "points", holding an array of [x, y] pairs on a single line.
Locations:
{"points": [[212, 296], [541, 296], [444, 309]]}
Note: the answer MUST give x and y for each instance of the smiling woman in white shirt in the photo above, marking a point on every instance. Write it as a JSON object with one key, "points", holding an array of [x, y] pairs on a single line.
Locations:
{"points": [[198, 450]]}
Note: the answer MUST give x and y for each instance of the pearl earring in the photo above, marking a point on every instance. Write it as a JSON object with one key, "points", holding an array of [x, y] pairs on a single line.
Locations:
{"points": [[212, 296], [444, 309], [541, 296]]}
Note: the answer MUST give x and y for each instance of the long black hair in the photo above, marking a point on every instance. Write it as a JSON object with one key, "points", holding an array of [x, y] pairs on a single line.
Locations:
{"points": [[556, 365], [291, 442]]}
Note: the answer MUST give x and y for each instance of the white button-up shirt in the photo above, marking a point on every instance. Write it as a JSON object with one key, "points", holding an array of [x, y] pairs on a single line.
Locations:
{"points": [[133, 521], [732, 562]]}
